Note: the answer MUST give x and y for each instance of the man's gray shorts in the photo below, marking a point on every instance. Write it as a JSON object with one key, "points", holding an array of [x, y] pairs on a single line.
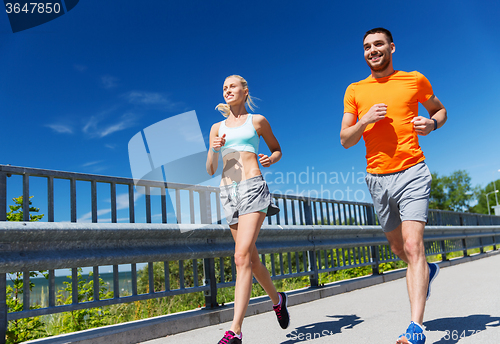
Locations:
{"points": [[401, 196], [249, 196]]}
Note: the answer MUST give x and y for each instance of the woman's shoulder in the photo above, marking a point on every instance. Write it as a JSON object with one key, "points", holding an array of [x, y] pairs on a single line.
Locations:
{"points": [[258, 118], [216, 126], [260, 124]]}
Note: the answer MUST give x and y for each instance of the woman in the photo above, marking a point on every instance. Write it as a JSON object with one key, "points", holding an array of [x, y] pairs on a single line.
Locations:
{"points": [[244, 195]]}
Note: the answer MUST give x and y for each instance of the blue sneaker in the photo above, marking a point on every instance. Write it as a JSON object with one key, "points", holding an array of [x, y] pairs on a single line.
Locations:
{"points": [[414, 334], [433, 272]]}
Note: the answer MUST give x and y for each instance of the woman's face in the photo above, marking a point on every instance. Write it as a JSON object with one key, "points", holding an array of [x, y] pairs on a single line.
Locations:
{"points": [[233, 91]]}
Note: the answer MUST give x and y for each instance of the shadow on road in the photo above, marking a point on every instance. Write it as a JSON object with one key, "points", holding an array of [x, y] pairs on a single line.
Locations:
{"points": [[323, 329], [461, 327]]}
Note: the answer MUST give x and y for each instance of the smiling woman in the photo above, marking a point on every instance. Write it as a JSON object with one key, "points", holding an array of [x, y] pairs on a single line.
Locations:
{"points": [[244, 195]]}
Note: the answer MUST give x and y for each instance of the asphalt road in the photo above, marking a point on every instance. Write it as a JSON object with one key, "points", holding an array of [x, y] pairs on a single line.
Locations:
{"points": [[464, 308]]}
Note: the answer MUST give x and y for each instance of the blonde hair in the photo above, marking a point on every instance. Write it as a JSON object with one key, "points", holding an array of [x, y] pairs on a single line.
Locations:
{"points": [[225, 109]]}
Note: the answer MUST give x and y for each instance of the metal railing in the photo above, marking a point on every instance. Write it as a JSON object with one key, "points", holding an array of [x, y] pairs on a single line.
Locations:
{"points": [[310, 236]]}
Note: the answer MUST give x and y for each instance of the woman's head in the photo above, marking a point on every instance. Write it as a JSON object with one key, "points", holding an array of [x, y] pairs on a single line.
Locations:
{"points": [[235, 91]]}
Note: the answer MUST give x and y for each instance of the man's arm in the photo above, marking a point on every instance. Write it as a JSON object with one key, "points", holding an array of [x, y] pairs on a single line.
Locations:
{"points": [[351, 131], [436, 110]]}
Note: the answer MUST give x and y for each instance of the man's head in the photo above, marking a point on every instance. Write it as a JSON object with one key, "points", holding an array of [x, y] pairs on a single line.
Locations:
{"points": [[386, 32], [379, 46]]}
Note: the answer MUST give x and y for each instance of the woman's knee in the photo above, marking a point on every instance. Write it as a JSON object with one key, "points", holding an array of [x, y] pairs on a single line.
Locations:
{"points": [[242, 259]]}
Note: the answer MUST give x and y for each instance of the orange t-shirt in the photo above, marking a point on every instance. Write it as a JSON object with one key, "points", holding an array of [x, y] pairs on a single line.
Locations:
{"points": [[391, 143]]}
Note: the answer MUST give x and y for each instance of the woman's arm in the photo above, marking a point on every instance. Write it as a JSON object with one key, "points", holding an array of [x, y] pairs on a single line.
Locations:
{"points": [[263, 128], [216, 143]]}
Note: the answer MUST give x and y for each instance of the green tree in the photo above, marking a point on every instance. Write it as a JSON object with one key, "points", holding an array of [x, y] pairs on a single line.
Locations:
{"points": [[438, 195], [16, 211], [453, 192], [27, 328], [85, 318], [482, 205]]}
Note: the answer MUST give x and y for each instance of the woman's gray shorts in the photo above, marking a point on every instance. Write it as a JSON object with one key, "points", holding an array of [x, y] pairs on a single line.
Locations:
{"points": [[248, 196], [401, 196]]}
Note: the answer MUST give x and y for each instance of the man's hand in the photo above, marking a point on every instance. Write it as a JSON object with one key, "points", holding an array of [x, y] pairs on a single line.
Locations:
{"points": [[376, 113], [422, 125]]}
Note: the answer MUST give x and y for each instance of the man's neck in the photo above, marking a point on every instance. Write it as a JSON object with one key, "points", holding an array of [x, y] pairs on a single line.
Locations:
{"points": [[383, 73]]}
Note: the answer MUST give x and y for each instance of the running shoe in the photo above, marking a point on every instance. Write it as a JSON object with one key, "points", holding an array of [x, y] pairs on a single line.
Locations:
{"points": [[230, 338], [433, 272], [414, 334], [282, 311]]}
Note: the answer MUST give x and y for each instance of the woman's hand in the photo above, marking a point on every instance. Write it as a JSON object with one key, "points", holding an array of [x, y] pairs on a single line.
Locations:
{"points": [[218, 142], [264, 160]]}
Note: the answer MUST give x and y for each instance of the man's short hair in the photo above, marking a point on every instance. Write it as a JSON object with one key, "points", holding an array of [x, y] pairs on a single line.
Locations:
{"points": [[386, 32]]}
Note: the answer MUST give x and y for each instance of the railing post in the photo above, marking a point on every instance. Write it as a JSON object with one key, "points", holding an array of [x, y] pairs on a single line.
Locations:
{"points": [[308, 212], [26, 197], [210, 295], [494, 243], [313, 263], [3, 197], [464, 245], [375, 260], [370, 215], [3, 308], [313, 266], [443, 251], [205, 207], [481, 249]]}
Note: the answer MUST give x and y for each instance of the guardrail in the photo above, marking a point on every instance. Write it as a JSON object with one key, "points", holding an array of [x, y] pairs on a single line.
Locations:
{"points": [[309, 237], [308, 250]]}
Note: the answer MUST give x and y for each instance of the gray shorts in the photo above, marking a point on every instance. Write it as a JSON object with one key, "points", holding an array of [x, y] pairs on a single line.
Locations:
{"points": [[401, 196], [249, 196]]}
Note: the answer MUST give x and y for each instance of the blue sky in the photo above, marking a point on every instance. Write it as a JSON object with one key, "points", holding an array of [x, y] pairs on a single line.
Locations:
{"points": [[75, 90]]}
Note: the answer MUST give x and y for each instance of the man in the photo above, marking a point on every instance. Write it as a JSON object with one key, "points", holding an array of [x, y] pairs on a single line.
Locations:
{"points": [[383, 108]]}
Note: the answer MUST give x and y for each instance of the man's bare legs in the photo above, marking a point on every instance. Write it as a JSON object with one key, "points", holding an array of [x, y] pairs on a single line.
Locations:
{"points": [[407, 242]]}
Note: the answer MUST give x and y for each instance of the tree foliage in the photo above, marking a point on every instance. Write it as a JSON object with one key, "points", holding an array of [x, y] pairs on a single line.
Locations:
{"points": [[27, 328], [16, 211], [482, 205], [453, 192], [84, 318]]}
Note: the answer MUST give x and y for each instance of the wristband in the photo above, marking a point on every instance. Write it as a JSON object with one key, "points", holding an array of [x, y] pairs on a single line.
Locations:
{"points": [[215, 151], [435, 123]]}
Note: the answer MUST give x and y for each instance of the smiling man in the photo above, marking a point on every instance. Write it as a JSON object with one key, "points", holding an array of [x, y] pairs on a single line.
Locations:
{"points": [[383, 108]]}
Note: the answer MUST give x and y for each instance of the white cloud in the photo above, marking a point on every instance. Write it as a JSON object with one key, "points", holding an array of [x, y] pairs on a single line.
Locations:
{"points": [[91, 163], [122, 200], [109, 81], [60, 128], [92, 123], [87, 218], [151, 99], [148, 98], [126, 121], [80, 68]]}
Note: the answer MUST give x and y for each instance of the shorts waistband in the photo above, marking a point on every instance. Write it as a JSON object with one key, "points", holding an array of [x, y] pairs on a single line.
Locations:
{"points": [[393, 173], [243, 182]]}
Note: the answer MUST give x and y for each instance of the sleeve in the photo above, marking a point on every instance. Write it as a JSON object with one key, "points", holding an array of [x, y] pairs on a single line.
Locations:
{"points": [[349, 101], [424, 88]]}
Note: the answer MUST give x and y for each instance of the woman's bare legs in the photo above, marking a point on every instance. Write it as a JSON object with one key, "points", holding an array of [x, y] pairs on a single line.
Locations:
{"points": [[245, 235]]}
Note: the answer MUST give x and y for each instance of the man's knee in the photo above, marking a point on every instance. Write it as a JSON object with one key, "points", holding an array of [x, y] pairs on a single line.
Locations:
{"points": [[397, 249], [414, 247]]}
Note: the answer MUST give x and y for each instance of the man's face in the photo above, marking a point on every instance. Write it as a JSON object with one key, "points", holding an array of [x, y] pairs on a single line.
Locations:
{"points": [[378, 51]]}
